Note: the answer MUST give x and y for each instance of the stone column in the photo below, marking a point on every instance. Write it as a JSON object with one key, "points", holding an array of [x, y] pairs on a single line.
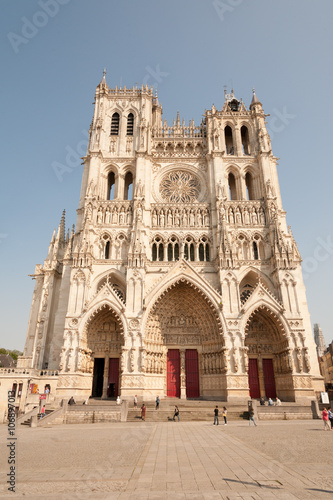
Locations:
{"points": [[106, 377], [261, 377], [182, 374]]}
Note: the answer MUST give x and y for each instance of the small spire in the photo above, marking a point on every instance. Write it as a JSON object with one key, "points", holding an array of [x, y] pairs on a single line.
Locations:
{"points": [[103, 83], [61, 229], [255, 99], [178, 119]]}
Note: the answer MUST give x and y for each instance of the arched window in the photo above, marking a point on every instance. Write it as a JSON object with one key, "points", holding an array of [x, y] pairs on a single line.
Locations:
{"points": [[204, 250], [173, 250], [228, 140], [128, 191], [245, 140], [157, 250], [130, 124], [232, 187], [255, 251], [189, 249], [107, 249], [249, 186], [111, 186], [115, 124]]}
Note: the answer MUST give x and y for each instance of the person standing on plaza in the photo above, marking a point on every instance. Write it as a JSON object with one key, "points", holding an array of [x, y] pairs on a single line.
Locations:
{"points": [[157, 403], [251, 417], [216, 415], [143, 412], [224, 415], [330, 417], [176, 414], [327, 425], [135, 402]]}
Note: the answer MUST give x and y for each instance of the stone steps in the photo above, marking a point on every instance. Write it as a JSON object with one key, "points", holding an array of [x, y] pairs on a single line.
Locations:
{"points": [[27, 422]]}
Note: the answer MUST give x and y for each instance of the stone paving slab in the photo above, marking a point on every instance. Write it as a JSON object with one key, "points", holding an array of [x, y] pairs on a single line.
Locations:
{"points": [[186, 460]]}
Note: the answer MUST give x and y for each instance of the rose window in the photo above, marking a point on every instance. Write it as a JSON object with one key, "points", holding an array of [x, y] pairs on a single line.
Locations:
{"points": [[180, 187]]}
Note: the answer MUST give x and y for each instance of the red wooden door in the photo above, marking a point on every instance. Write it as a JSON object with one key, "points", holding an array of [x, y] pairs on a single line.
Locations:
{"points": [[192, 373], [113, 385], [269, 379], [254, 379], [173, 373]]}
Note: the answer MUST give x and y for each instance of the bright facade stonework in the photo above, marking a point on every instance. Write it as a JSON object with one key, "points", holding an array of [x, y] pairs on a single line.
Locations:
{"points": [[190, 287]]}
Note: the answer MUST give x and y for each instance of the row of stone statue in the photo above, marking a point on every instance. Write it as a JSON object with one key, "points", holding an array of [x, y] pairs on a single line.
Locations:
{"points": [[243, 215], [213, 363], [153, 362], [174, 217], [116, 215]]}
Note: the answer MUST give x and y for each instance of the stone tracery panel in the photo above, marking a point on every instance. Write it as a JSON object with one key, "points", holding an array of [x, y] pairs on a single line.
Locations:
{"points": [[180, 187]]}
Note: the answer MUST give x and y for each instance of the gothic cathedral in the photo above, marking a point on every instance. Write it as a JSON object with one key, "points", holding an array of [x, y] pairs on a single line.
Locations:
{"points": [[181, 278]]}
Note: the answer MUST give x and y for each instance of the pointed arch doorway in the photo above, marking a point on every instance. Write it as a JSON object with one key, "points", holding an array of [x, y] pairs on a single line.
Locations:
{"points": [[268, 368], [105, 340], [184, 344]]}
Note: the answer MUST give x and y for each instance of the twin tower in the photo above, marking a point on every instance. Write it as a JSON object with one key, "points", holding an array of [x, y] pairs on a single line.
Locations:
{"points": [[182, 278]]}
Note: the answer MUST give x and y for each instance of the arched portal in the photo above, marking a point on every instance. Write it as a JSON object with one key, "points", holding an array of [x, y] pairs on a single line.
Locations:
{"points": [[104, 337], [184, 344], [270, 363]]}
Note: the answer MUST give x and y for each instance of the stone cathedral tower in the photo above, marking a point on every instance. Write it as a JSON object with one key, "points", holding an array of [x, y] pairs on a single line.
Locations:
{"points": [[182, 278]]}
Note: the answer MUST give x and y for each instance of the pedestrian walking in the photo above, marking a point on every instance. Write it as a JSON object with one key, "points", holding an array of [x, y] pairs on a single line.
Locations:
{"points": [[157, 403], [42, 412], [216, 415], [224, 415], [143, 412], [327, 424], [135, 402], [330, 417], [251, 417], [176, 414]]}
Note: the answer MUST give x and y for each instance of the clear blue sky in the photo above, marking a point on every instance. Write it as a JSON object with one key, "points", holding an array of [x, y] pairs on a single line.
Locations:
{"points": [[52, 60]]}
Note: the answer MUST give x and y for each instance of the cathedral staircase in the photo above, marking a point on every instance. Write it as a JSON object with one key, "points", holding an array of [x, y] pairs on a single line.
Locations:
{"points": [[189, 410]]}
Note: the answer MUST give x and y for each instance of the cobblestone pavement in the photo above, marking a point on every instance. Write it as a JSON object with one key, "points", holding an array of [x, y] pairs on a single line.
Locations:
{"points": [[186, 460]]}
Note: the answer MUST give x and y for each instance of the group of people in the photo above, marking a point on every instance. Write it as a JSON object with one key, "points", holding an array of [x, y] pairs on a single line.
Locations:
{"points": [[216, 415], [270, 402]]}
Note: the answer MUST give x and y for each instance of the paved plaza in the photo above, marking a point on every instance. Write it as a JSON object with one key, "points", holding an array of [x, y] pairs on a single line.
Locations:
{"points": [[186, 460]]}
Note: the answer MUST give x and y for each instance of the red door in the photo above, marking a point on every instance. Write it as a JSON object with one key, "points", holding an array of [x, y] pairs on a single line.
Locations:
{"points": [[254, 379], [192, 373], [113, 385], [269, 379], [173, 373]]}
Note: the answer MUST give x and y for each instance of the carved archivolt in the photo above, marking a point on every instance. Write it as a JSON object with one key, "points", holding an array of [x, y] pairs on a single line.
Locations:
{"points": [[184, 317]]}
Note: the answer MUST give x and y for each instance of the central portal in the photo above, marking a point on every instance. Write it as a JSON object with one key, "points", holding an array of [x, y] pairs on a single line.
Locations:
{"points": [[174, 370], [183, 355]]}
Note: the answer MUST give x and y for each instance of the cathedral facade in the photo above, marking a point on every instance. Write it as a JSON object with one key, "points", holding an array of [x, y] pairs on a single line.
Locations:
{"points": [[181, 278]]}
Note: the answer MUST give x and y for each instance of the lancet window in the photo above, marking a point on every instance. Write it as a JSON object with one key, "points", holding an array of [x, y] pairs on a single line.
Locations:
{"points": [[232, 187], [111, 186], [245, 140], [130, 124], [115, 124], [128, 189], [249, 186], [229, 141]]}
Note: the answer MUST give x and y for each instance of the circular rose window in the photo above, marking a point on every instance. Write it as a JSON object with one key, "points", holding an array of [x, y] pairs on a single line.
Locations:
{"points": [[180, 187]]}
